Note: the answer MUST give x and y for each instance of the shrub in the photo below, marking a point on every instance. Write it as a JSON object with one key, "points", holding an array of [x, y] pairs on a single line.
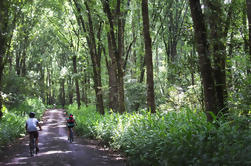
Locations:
{"points": [[12, 124], [170, 138]]}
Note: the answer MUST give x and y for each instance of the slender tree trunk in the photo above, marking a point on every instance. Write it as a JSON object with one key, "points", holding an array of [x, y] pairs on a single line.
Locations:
{"points": [[18, 63], [230, 83], [174, 49], [157, 58], [204, 60], [141, 78], [148, 56], [249, 29], [62, 92], [74, 61], [42, 83], [119, 59], [1, 76], [23, 64], [49, 87], [53, 92], [70, 90], [84, 89]]}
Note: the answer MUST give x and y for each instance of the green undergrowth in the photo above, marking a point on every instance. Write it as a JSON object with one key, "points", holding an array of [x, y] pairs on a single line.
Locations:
{"points": [[169, 138], [12, 125]]}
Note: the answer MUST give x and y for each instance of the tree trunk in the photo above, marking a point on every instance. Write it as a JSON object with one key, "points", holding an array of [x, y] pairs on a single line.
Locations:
{"points": [[113, 85], [70, 90], [230, 83], [96, 58], [42, 83], [218, 32], [23, 64], [49, 102], [204, 59], [117, 49], [148, 56], [6, 30], [95, 55], [84, 89], [249, 29], [1, 76], [74, 61], [62, 92], [141, 78]]}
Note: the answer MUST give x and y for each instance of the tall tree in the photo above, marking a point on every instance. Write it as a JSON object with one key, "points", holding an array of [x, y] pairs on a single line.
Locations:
{"points": [[148, 57], [111, 67], [74, 62], [94, 49], [204, 59], [219, 25], [8, 18], [4, 8], [116, 21]]}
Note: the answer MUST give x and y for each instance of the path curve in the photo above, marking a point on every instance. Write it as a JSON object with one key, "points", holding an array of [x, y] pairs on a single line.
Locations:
{"points": [[55, 150]]}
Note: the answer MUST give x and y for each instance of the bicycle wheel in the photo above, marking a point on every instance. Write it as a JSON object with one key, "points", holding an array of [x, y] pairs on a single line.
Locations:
{"points": [[71, 135], [32, 144]]}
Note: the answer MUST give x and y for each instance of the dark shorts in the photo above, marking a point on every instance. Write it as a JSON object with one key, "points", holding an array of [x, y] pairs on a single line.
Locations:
{"points": [[35, 133]]}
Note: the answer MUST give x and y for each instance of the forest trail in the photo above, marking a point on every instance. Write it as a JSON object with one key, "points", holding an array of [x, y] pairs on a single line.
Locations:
{"points": [[55, 150]]}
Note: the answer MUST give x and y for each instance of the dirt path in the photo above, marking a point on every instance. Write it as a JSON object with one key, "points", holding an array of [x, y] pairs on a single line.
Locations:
{"points": [[55, 150]]}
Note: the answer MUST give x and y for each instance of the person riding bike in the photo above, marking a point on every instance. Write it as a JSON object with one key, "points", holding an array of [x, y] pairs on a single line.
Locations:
{"points": [[70, 124], [31, 128]]}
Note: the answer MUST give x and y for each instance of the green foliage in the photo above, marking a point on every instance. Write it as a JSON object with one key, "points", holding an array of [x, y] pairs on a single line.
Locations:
{"points": [[15, 88], [169, 138], [241, 99], [135, 93], [12, 125]]}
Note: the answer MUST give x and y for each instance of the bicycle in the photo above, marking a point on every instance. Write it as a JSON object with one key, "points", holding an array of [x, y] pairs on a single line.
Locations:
{"points": [[32, 144], [71, 135]]}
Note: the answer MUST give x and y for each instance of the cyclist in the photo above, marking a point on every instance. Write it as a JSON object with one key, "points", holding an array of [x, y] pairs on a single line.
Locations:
{"points": [[31, 128], [70, 124]]}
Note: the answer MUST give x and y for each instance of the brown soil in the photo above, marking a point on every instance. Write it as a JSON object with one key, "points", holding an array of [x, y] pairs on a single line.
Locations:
{"points": [[55, 150]]}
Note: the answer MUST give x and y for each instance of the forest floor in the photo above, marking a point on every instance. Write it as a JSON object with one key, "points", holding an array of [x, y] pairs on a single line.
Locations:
{"points": [[55, 150]]}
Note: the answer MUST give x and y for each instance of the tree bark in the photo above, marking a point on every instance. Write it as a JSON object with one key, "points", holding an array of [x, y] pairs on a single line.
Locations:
{"points": [[84, 89], [117, 49], [113, 85], [96, 58], [7, 25], [218, 31], [74, 61], [70, 90], [62, 92], [148, 56], [23, 64], [204, 59], [141, 78], [95, 54], [4, 6], [248, 2]]}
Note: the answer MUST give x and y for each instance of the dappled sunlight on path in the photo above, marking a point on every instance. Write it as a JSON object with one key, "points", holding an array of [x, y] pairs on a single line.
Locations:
{"points": [[56, 150]]}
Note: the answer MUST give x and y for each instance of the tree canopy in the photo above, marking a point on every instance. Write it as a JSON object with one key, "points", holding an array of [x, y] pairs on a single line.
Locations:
{"points": [[127, 55]]}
